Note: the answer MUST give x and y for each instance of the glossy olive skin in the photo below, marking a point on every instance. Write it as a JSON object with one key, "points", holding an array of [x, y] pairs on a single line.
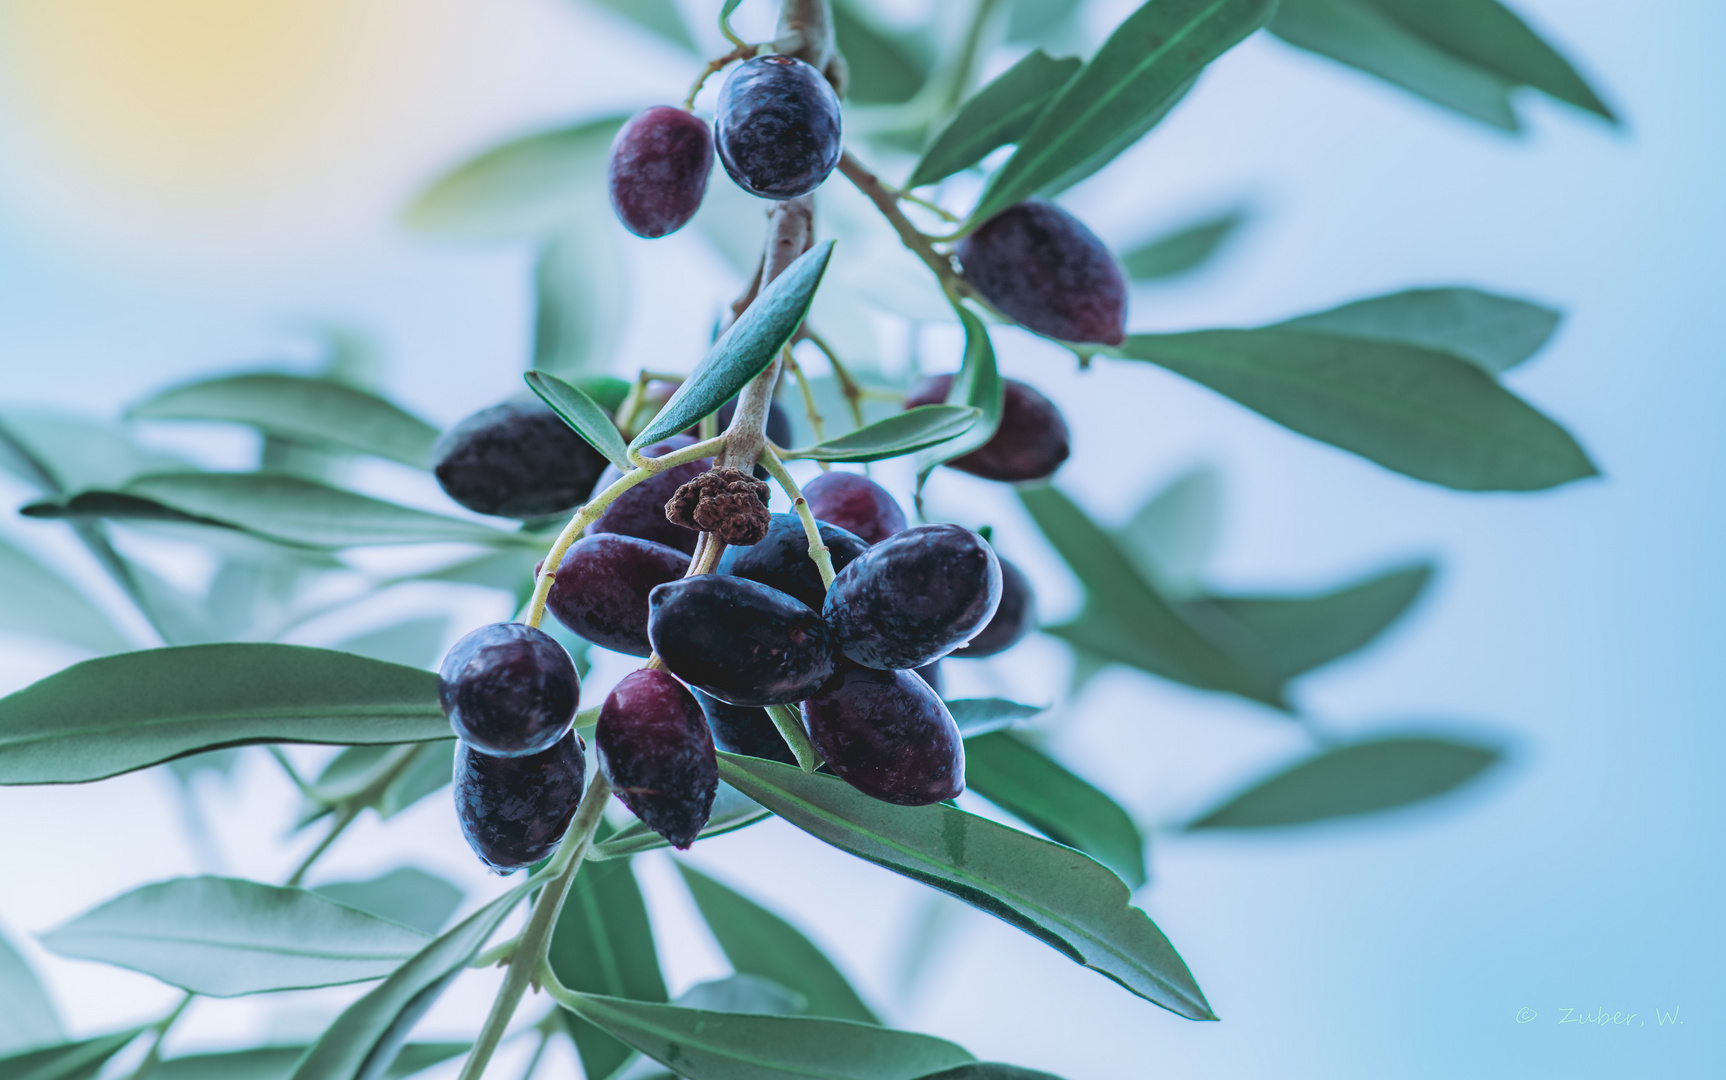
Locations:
{"points": [[655, 749], [739, 640], [855, 503], [1014, 618], [1031, 443], [914, 597], [514, 810], [1041, 267], [658, 172], [744, 729], [509, 689], [640, 511], [518, 459], [887, 734], [781, 558], [600, 591], [778, 127]]}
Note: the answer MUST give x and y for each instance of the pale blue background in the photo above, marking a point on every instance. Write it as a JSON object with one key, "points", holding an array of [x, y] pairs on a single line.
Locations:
{"points": [[1580, 627]]}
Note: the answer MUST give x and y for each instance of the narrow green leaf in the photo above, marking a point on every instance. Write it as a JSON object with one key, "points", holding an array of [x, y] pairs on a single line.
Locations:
{"points": [[1184, 249], [27, 1016], [704, 1045], [1171, 536], [277, 1063], [430, 771], [318, 412], [585, 415], [1286, 636], [1035, 20], [659, 16], [732, 810], [1361, 778], [1426, 414], [1037, 790], [725, 11], [995, 116], [581, 294], [1141, 622], [978, 385], [295, 510], [979, 716], [758, 942], [69, 1061], [411, 642], [1358, 33], [367, 1035], [989, 1070], [223, 937], [603, 944], [526, 187], [745, 349], [743, 994], [1144, 66], [897, 435], [1488, 34], [1496, 332], [40, 603], [407, 895], [884, 66], [112, 715], [56, 453], [1055, 894]]}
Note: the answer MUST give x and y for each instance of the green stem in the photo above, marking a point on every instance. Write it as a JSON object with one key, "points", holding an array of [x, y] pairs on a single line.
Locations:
{"points": [[529, 955], [790, 726], [160, 1028], [344, 817], [808, 395], [854, 394], [811, 528]]}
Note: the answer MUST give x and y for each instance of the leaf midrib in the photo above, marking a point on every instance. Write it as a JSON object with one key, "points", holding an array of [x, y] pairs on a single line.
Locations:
{"points": [[74, 936], [37, 738]]}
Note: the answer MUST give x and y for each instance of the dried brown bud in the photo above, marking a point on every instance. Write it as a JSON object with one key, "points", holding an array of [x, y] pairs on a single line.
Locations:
{"points": [[727, 502]]}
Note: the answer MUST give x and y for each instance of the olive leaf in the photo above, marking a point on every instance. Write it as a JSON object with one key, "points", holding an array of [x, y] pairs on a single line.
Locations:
{"points": [[978, 385], [224, 937], [979, 716], [883, 66], [995, 116], [68, 1061], [592, 422], [758, 942], [115, 714], [367, 1035], [27, 1016], [1146, 64], [277, 1063], [1184, 249], [603, 944], [1496, 332], [406, 895], [41, 603], [1424, 413], [1059, 896], [745, 349], [317, 412], [903, 433], [704, 1045], [731, 810], [1027, 783], [1357, 778], [1464, 55]]}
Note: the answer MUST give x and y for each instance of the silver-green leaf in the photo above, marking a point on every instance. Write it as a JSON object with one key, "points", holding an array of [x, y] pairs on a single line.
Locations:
{"points": [[978, 385], [1496, 332], [1185, 249], [223, 937], [406, 895], [582, 413], [897, 435], [27, 1017], [995, 116]]}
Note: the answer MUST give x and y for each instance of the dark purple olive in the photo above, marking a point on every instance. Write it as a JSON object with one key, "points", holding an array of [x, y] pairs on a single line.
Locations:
{"points": [[601, 588], [1041, 267], [656, 751], [887, 734], [854, 502], [739, 640], [658, 172], [744, 729], [514, 810], [509, 689], [1030, 444], [781, 559], [518, 459], [914, 597], [640, 511], [778, 127], [1016, 617]]}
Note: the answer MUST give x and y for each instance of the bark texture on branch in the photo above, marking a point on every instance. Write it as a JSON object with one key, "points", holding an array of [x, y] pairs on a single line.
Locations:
{"points": [[790, 232]]}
